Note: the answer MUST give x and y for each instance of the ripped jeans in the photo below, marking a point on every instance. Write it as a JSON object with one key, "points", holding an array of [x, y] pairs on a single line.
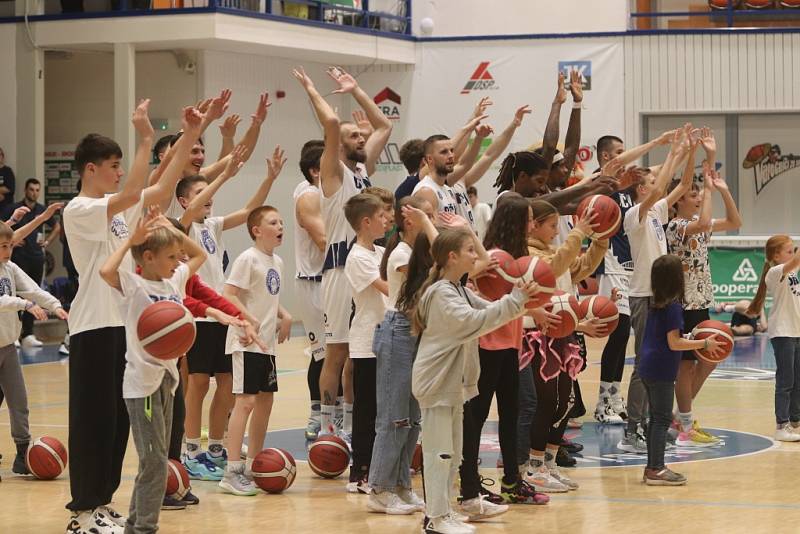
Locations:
{"points": [[442, 439], [397, 424]]}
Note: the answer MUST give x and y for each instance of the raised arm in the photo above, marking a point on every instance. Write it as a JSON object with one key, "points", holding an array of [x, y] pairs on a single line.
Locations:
{"points": [[274, 167], [235, 163], [633, 154], [228, 132], [572, 143], [24, 231], [703, 223], [470, 156], [462, 136], [330, 167], [309, 217], [551, 130], [109, 271], [732, 220], [197, 256], [664, 175], [686, 179]]}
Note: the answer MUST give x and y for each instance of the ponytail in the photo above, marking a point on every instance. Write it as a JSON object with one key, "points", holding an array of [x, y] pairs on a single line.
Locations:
{"points": [[419, 323], [772, 247]]}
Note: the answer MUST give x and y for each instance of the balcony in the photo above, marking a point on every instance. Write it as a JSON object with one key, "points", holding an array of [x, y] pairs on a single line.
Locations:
{"points": [[714, 14]]}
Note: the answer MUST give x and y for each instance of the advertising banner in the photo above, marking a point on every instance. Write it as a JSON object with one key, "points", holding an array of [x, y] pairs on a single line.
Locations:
{"points": [[735, 272]]}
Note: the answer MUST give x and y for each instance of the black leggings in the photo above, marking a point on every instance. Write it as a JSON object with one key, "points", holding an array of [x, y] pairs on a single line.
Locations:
{"points": [[312, 376], [612, 363], [554, 400], [499, 376]]}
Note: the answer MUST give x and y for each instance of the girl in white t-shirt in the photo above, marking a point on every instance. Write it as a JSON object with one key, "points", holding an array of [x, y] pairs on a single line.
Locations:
{"points": [[779, 281], [397, 423]]}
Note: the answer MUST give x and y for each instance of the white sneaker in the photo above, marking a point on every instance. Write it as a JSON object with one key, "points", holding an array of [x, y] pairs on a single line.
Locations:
{"points": [[16, 343], [479, 508], [93, 522], [63, 350], [784, 433], [634, 443], [604, 413], [543, 482], [447, 524], [559, 475], [410, 497], [390, 503], [30, 342], [109, 515], [237, 483]]}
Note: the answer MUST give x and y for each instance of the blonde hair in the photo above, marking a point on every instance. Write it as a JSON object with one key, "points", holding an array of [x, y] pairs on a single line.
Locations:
{"points": [[160, 239], [360, 206], [448, 240], [774, 244], [386, 196]]}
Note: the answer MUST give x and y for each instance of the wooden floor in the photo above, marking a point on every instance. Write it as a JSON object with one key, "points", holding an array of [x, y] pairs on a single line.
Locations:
{"points": [[754, 493]]}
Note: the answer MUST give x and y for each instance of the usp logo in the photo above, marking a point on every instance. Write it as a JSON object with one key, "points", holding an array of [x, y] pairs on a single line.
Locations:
{"points": [[584, 68], [389, 103], [481, 80]]}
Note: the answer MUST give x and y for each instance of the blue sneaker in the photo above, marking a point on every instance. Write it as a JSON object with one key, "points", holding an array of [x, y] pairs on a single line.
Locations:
{"points": [[202, 468], [219, 461]]}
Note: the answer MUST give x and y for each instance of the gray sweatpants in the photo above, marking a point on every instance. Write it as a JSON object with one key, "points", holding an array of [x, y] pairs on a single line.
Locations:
{"points": [[12, 384], [637, 394], [442, 441], [151, 422]]}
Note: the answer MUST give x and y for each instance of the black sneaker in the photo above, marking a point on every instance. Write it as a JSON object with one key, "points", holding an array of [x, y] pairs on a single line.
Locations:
{"points": [[522, 493], [491, 496], [20, 465], [563, 459], [171, 503], [190, 499], [571, 446]]}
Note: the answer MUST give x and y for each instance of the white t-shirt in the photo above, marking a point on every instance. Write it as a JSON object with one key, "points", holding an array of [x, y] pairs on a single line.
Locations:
{"points": [[784, 316], [16, 289], [144, 373], [363, 268], [483, 214], [648, 242], [258, 277], [338, 232], [208, 234], [463, 207], [308, 258], [398, 258], [92, 239], [444, 195]]}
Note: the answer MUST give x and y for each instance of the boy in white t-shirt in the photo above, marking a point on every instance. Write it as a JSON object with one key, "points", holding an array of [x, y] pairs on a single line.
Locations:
{"points": [[366, 214], [208, 357], [149, 383], [644, 225], [96, 224], [254, 285]]}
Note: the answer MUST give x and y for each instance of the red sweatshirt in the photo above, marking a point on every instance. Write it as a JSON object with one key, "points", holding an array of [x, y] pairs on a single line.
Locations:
{"points": [[200, 297]]}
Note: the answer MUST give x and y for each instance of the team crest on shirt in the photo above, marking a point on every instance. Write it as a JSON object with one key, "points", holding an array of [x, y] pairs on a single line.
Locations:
{"points": [[659, 230], [273, 282], [173, 298], [118, 227], [208, 241], [5, 286], [361, 183], [794, 284]]}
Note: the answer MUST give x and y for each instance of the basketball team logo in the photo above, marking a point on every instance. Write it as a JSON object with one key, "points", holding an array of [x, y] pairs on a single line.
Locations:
{"points": [[584, 68], [208, 241], [273, 282], [389, 103], [768, 163], [118, 227], [5, 286], [481, 80]]}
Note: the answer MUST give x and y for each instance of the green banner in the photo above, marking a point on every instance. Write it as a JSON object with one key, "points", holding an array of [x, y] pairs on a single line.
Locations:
{"points": [[735, 272]]}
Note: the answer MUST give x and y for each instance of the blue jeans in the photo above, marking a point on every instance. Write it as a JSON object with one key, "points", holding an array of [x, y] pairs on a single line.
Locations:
{"points": [[527, 409], [397, 424], [660, 395], [787, 379]]}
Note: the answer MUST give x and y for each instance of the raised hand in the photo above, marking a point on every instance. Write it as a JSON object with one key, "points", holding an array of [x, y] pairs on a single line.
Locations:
{"points": [[483, 131], [708, 141], [19, 213], [666, 137], [191, 121], [415, 215], [561, 92], [520, 114], [203, 105], [576, 85], [481, 106], [52, 208], [219, 105], [236, 162], [260, 114], [451, 220], [144, 227], [612, 168], [360, 118], [300, 75], [228, 127], [346, 83], [719, 182], [141, 120], [275, 163]]}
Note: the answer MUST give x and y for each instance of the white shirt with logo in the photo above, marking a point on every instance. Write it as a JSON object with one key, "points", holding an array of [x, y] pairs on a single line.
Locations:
{"points": [[362, 269], [784, 316], [444, 194], [92, 238], [208, 234], [648, 243], [258, 277], [463, 207], [338, 232]]}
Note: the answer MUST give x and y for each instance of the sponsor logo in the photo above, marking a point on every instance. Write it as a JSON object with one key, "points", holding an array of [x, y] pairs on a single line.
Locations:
{"points": [[745, 272], [173, 298], [389, 103], [389, 159], [273, 282], [481, 80], [208, 241], [768, 163], [5, 286], [584, 68], [118, 227]]}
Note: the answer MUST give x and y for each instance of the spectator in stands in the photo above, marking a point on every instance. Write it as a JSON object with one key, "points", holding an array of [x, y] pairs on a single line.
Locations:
{"points": [[481, 210], [7, 182]]}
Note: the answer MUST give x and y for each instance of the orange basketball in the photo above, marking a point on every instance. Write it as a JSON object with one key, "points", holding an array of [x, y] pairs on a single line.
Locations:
{"points": [[46, 458], [177, 480], [328, 456], [608, 215], [416, 460], [724, 335], [566, 307], [493, 286], [529, 268], [274, 470], [722, 4], [166, 330], [790, 4], [603, 309], [758, 4]]}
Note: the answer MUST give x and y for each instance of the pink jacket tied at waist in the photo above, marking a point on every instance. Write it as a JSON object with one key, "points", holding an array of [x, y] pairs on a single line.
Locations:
{"points": [[551, 349]]}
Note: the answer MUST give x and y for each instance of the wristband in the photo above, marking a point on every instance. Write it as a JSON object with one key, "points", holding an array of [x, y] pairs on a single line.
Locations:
{"points": [[705, 344], [577, 105]]}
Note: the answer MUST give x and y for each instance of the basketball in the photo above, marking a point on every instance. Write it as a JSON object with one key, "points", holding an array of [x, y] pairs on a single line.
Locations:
{"points": [[274, 470], [532, 268], [416, 460], [177, 480], [721, 4], [46, 458], [328, 456], [166, 330], [608, 215], [494, 286], [791, 4], [758, 4], [567, 308], [603, 309], [724, 335]]}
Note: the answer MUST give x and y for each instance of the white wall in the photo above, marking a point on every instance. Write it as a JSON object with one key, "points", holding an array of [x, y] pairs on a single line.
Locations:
{"points": [[8, 92], [508, 17]]}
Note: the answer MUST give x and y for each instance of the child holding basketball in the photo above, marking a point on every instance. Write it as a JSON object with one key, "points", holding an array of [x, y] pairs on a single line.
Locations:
{"points": [[661, 348], [450, 318], [149, 383], [779, 280], [254, 285], [18, 292]]}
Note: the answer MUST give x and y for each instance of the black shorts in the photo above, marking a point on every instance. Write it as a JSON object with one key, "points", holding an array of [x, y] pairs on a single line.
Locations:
{"points": [[254, 373], [692, 318], [207, 355]]}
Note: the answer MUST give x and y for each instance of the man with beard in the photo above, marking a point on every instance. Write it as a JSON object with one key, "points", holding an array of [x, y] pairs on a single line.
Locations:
{"points": [[346, 161]]}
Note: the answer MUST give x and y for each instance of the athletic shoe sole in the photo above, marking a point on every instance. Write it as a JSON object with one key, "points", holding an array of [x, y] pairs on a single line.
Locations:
{"points": [[230, 489], [653, 482]]}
